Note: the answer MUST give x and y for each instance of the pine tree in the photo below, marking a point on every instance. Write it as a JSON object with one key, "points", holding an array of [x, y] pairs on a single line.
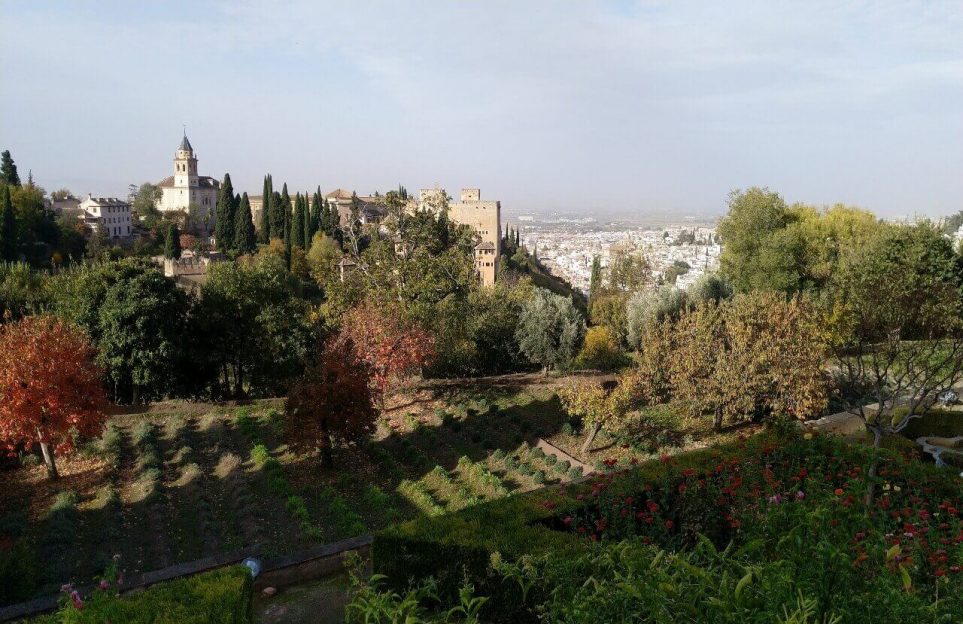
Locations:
{"points": [[297, 226], [280, 214], [245, 240], [264, 236], [8, 169], [8, 226], [224, 215], [172, 244]]}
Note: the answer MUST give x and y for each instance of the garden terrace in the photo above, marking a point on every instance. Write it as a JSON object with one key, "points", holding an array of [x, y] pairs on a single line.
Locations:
{"points": [[792, 510], [183, 481]]}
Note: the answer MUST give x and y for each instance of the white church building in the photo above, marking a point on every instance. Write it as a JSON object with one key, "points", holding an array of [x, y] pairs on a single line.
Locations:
{"points": [[185, 188]]}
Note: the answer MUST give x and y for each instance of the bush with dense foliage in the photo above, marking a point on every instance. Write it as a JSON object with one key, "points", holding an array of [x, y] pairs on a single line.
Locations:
{"points": [[749, 532], [222, 596]]}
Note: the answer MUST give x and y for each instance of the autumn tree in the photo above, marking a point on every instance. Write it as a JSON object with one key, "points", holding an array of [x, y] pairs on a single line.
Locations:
{"points": [[50, 387], [392, 347], [601, 404], [752, 356], [332, 403]]}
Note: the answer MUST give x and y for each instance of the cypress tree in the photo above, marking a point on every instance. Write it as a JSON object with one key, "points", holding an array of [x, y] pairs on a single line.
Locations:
{"points": [[245, 240], [8, 226], [172, 244], [8, 169], [264, 235], [280, 214], [224, 216], [311, 223], [297, 227]]}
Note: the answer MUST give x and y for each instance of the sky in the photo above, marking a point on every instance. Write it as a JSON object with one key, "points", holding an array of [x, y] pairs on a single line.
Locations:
{"points": [[600, 108]]}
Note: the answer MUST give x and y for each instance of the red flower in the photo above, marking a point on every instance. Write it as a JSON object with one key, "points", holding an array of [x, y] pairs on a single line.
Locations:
{"points": [[838, 491], [669, 524]]}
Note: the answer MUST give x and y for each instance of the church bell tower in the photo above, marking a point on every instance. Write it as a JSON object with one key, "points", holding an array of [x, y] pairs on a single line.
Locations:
{"points": [[185, 165]]}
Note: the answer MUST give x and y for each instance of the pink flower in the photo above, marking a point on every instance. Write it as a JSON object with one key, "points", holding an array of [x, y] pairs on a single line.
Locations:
{"points": [[775, 499], [104, 584], [800, 495]]}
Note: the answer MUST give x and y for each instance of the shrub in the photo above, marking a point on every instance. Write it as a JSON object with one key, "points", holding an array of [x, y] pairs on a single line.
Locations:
{"points": [[18, 573], [376, 498], [567, 428], [551, 460], [498, 455], [260, 455], [562, 467], [538, 477], [419, 496], [222, 596], [575, 472]]}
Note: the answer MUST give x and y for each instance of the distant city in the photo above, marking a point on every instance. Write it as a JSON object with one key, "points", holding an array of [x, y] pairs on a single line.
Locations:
{"points": [[566, 246]]}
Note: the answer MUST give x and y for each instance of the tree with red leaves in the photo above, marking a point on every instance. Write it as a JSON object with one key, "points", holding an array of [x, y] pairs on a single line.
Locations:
{"points": [[50, 389], [392, 347], [332, 402]]}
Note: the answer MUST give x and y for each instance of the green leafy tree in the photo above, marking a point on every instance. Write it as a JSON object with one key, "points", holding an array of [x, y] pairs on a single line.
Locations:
{"points": [[8, 169], [245, 238], [8, 226], [144, 204], [224, 215], [768, 245], [648, 308], [172, 242], [629, 272], [255, 329], [550, 329], [896, 331], [267, 197], [136, 318]]}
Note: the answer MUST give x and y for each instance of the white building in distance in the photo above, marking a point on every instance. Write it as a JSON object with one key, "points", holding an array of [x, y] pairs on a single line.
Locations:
{"points": [[185, 188], [109, 213]]}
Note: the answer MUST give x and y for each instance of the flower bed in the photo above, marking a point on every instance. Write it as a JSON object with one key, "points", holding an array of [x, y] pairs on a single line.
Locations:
{"points": [[792, 505]]}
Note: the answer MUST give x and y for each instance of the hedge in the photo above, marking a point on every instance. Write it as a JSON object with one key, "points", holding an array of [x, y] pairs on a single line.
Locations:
{"points": [[222, 596]]}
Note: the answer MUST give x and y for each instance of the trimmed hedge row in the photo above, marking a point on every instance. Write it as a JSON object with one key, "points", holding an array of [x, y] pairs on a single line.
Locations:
{"points": [[222, 596]]}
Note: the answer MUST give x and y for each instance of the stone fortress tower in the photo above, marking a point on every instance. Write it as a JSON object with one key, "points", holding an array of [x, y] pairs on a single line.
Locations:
{"points": [[484, 216]]}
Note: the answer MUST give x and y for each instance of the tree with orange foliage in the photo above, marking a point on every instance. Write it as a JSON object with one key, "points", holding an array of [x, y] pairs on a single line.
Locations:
{"points": [[392, 347], [332, 402], [50, 388]]}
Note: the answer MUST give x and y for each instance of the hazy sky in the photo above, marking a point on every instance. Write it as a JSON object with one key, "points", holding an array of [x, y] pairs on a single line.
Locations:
{"points": [[633, 107]]}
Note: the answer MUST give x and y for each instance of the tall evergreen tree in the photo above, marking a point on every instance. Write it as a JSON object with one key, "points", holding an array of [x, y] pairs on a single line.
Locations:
{"points": [[8, 169], [8, 226], [280, 214], [313, 223], [172, 244], [297, 226], [224, 215], [245, 240], [264, 235]]}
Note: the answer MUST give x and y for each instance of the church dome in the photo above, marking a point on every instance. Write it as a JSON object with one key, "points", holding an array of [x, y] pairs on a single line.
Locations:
{"points": [[186, 145]]}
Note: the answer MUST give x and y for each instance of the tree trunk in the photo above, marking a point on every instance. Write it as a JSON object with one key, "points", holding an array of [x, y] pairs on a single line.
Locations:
{"points": [[545, 371], [48, 459], [325, 447], [590, 438], [873, 469], [135, 395], [717, 420]]}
